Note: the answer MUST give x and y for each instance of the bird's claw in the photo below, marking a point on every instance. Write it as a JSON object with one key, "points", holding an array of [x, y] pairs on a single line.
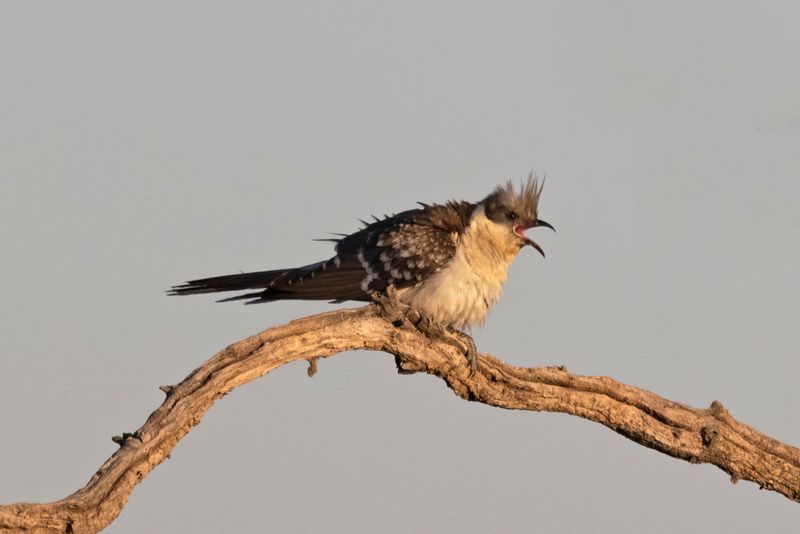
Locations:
{"points": [[470, 350], [393, 309], [389, 305]]}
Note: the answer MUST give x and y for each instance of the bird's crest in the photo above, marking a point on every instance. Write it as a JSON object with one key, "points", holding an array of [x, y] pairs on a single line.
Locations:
{"points": [[526, 200]]}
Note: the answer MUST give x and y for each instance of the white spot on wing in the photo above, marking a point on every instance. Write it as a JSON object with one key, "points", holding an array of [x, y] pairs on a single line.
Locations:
{"points": [[371, 274], [367, 280]]}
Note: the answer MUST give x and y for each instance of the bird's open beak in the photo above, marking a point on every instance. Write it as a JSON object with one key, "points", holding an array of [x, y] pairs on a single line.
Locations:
{"points": [[520, 231]]}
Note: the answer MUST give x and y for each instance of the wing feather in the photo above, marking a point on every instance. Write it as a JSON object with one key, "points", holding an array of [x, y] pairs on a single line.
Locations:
{"points": [[402, 249]]}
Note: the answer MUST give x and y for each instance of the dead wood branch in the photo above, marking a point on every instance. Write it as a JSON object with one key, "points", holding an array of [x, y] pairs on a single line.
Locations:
{"points": [[696, 435]]}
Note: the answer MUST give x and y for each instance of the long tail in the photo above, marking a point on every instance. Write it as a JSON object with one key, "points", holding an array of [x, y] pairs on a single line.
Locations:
{"points": [[230, 282], [326, 280]]}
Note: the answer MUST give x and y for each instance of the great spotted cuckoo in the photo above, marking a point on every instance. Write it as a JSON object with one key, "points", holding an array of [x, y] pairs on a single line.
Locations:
{"points": [[446, 262]]}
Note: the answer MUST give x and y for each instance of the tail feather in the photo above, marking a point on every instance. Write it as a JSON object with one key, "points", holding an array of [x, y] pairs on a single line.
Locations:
{"points": [[230, 282], [326, 280], [246, 296]]}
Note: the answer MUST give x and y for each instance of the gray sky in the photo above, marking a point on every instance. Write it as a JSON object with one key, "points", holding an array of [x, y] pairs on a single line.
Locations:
{"points": [[145, 144]]}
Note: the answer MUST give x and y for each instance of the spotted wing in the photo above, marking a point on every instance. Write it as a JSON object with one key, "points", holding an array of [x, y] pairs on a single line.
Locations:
{"points": [[402, 249], [406, 248]]}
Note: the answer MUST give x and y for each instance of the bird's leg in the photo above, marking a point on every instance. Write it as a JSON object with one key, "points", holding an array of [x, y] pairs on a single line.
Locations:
{"points": [[395, 311], [471, 351], [399, 313]]}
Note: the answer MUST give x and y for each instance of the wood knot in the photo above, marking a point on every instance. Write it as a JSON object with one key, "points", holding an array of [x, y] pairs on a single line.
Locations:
{"points": [[718, 411], [125, 437], [708, 435], [312, 367], [409, 366]]}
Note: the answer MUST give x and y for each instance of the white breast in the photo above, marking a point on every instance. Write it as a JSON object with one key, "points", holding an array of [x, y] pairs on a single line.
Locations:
{"points": [[462, 293]]}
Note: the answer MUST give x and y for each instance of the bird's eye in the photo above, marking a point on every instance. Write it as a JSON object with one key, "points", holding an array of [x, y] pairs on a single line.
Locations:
{"points": [[512, 215]]}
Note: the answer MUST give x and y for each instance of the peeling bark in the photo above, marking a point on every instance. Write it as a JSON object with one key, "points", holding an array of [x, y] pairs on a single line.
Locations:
{"points": [[696, 435]]}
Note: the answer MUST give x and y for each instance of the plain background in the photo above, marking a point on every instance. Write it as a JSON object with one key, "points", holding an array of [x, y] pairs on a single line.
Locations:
{"points": [[146, 144]]}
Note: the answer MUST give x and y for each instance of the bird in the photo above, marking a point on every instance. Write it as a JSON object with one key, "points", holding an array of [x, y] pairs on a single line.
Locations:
{"points": [[445, 262]]}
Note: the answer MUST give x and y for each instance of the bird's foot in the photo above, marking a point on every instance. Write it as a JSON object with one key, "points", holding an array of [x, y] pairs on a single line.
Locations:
{"points": [[399, 313], [392, 309], [470, 351]]}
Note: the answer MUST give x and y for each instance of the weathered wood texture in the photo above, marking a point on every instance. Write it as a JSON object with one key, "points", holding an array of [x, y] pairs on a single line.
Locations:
{"points": [[696, 435]]}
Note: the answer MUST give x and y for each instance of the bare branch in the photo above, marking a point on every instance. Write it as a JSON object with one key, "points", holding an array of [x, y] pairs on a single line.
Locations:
{"points": [[696, 435]]}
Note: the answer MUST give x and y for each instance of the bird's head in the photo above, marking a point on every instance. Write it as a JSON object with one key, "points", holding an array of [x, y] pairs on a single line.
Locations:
{"points": [[517, 210]]}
